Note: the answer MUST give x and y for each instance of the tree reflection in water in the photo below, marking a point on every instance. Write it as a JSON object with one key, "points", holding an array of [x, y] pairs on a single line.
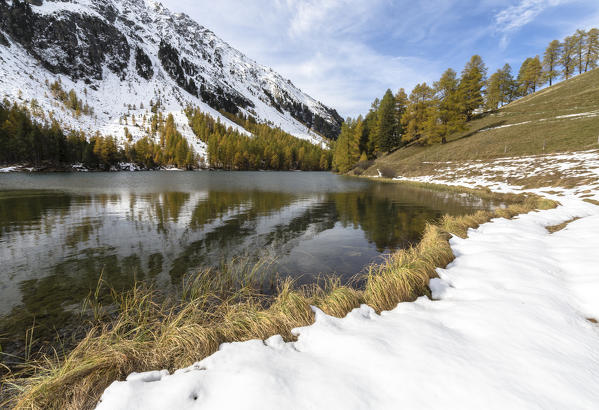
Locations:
{"points": [[54, 244]]}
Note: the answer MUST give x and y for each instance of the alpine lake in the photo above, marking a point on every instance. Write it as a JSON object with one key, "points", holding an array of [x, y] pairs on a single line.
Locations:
{"points": [[64, 237]]}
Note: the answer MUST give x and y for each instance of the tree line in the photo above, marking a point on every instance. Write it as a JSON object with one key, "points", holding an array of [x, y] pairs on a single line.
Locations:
{"points": [[431, 113], [23, 140], [267, 147]]}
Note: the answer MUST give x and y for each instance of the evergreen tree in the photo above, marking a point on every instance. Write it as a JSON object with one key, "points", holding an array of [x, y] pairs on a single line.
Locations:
{"points": [[370, 128], [401, 105], [568, 56], [268, 147], [471, 85], [551, 60], [386, 125]]}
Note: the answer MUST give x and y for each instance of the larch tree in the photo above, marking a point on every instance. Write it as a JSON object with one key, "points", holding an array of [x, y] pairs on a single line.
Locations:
{"points": [[530, 75], [324, 161], [580, 45], [493, 91], [415, 117], [534, 73], [471, 85], [449, 111], [591, 52], [507, 85], [356, 137], [342, 155], [568, 57], [551, 60]]}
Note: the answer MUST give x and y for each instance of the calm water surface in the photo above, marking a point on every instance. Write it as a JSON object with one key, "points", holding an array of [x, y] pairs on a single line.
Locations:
{"points": [[58, 232]]}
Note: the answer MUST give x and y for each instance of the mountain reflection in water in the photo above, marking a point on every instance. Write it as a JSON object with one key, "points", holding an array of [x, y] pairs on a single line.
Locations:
{"points": [[58, 233]]}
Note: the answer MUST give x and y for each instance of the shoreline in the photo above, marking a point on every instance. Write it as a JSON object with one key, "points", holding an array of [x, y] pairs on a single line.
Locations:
{"points": [[404, 277], [475, 328], [72, 169]]}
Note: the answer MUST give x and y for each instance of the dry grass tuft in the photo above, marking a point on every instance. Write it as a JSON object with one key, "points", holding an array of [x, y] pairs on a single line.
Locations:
{"points": [[152, 331], [591, 201], [557, 228]]}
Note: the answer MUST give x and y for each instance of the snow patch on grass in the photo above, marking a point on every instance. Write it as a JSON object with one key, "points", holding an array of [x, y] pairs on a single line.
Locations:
{"points": [[506, 331], [508, 327]]}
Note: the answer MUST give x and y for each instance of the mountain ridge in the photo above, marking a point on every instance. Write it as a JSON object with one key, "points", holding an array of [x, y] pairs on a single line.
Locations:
{"points": [[126, 57]]}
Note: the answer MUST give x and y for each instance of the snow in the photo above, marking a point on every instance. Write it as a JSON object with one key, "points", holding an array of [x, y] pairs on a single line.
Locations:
{"points": [[24, 79], [507, 328], [498, 173], [581, 115]]}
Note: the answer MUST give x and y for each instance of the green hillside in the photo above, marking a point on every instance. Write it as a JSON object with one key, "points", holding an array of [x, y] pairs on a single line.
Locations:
{"points": [[564, 117]]}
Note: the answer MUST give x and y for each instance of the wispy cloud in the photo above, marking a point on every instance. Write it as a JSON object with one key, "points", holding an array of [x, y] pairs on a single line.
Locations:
{"points": [[348, 52], [511, 19]]}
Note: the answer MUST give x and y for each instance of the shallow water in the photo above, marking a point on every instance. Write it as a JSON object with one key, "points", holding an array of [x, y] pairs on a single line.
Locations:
{"points": [[59, 232]]}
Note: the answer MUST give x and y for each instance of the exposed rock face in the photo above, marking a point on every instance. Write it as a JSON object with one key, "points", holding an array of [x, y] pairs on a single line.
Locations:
{"points": [[140, 42], [143, 64], [80, 54]]}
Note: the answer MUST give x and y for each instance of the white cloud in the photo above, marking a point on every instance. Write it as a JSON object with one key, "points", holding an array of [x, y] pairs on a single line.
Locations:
{"points": [[512, 18], [320, 45], [347, 52]]}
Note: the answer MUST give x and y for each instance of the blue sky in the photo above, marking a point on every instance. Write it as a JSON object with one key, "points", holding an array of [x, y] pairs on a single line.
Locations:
{"points": [[345, 53]]}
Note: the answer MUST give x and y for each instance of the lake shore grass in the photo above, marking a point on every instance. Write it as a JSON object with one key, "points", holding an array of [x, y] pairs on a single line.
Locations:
{"points": [[153, 331]]}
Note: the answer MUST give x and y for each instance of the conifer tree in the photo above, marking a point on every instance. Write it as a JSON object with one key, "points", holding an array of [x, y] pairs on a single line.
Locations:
{"points": [[447, 116], [568, 57], [401, 105], [324, 161], [551, 60], [591, 52], [507, 85], [386, 124], [358, 131], [530, 76], [580, 46], [370, 127], [471, 85], [416, 115], [493, 91], [342, 156]]}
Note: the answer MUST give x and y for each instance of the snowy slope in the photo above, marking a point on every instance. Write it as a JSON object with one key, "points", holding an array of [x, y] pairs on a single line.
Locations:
{"points": [[121, 55], [512, 324]]}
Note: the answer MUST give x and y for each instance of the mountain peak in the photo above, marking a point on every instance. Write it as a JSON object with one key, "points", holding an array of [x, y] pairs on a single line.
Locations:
{"points": [[118, 54]]}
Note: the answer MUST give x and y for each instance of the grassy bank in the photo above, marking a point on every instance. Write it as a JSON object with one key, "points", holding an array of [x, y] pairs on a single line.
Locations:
{"points": [[153, 331], [561, 118]]}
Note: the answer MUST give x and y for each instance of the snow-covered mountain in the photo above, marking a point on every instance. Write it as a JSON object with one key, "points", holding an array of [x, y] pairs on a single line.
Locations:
{"points": [[121, 57]]}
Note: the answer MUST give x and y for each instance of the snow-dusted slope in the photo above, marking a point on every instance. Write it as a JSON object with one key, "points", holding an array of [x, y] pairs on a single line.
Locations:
{"points": [[121, 55], [512, 325]]}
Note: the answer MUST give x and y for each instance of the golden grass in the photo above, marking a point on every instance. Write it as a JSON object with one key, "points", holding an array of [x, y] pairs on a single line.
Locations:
{"points": [[154, 332], [538, 124], [559, 227]]}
